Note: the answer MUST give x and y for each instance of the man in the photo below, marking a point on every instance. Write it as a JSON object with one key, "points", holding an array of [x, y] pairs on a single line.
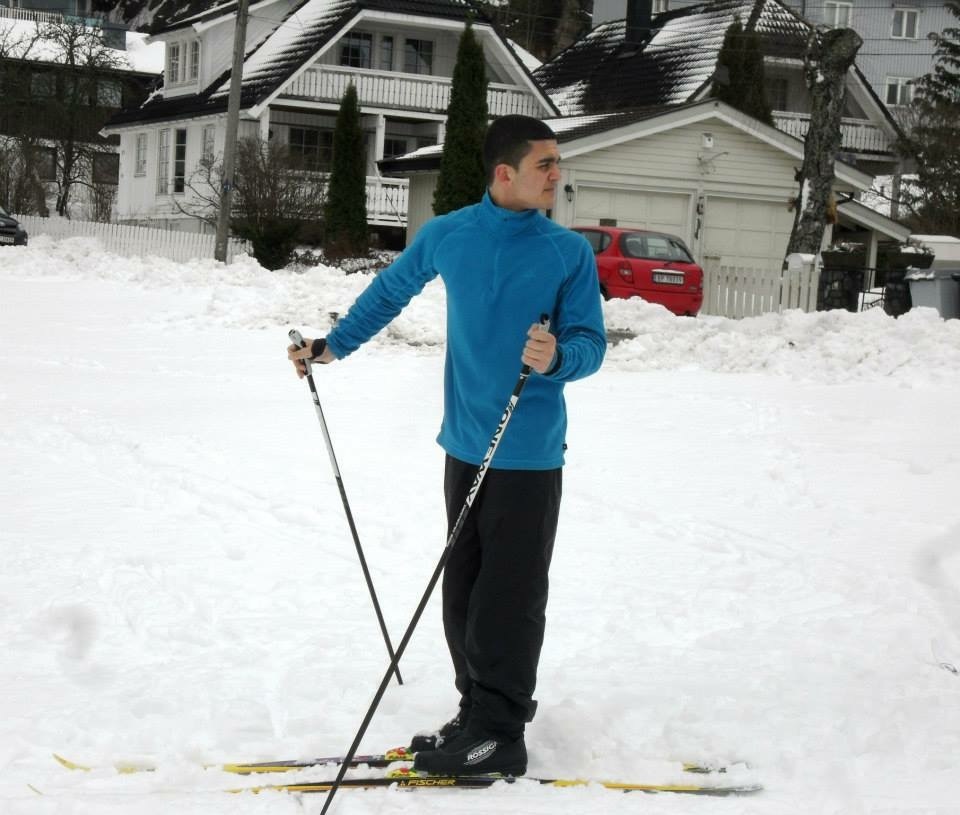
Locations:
{"points": [[503, 264]]}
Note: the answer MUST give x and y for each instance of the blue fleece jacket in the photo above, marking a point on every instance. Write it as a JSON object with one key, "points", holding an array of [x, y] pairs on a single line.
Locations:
{"points": [[502, 269]]}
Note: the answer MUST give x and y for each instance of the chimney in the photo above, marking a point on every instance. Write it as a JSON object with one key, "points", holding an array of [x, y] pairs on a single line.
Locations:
{"points": [[639, 14]]}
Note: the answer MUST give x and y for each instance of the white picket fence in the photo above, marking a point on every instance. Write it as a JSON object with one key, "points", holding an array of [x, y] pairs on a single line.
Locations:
{"points": [[131, 241], [736, 291]]}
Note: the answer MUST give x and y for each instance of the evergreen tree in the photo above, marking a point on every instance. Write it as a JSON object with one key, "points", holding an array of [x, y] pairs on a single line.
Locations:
{"points": [[740, 77], [345, 214], [462, 180], [932, 140]]}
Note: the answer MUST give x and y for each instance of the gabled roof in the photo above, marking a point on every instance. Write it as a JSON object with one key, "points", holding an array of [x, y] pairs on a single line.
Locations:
{"points": [[604, 72], [304, 31]]}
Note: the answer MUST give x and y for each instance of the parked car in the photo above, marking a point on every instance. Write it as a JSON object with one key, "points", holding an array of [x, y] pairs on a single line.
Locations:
{"points": [[10, 230], [653, 265]]}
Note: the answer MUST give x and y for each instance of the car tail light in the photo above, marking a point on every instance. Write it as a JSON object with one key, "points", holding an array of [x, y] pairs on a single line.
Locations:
{"points": [[626, 272]]}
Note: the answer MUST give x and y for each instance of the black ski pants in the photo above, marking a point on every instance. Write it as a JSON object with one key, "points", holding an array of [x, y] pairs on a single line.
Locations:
{"points": [[495, 590]]}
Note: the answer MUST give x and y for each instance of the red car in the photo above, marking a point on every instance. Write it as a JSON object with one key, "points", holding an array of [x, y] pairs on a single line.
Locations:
{"points": [[652, 265]]}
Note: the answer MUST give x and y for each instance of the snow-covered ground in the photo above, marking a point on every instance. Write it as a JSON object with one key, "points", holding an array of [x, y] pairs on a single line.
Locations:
{"points": [[758, 559]]}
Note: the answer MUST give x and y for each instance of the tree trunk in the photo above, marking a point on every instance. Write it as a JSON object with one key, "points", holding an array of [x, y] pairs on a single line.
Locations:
{"points": [[829, 56]]}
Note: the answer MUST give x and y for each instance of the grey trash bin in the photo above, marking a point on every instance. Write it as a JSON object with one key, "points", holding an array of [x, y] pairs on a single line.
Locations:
{"points": [[935, 288]]}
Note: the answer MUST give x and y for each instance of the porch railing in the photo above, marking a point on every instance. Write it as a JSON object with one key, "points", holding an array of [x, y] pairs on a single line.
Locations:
{"points": [[402, 91], [857, 136], [387, 201]]}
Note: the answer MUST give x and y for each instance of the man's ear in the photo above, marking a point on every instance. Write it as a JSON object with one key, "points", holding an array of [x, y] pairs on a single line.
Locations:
{"points": [[503, 173]]}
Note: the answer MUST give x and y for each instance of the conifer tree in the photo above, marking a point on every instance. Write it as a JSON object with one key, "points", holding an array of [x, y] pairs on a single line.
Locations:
{"points": [[740, 74], [462, 180], [932, 140], [345, 214]]}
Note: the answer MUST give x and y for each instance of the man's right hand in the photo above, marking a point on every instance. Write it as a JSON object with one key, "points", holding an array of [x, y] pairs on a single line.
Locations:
{"points": [[298, 357]]}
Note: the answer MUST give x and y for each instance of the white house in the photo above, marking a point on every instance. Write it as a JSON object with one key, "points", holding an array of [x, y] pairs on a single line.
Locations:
{"points": [[717, 178], [300, 58]]}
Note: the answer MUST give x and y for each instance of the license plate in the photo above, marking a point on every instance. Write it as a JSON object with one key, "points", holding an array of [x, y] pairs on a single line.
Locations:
{"points": [[6, 238], [670, 278]]}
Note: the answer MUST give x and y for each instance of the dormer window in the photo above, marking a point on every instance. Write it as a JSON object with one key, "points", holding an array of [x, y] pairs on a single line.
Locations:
{"points": [[173, 63], [183, 62], [193, 64]]}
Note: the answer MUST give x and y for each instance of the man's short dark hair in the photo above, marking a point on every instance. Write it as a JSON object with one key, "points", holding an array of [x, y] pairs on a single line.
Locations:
{"points": [[508, 141]]}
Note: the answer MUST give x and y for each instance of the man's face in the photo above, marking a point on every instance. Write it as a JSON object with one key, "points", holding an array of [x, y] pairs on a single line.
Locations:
{"points": [[533, 184]]}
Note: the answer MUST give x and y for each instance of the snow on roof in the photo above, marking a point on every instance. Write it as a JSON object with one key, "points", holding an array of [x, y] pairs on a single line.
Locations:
{"points": [[604, 72]]}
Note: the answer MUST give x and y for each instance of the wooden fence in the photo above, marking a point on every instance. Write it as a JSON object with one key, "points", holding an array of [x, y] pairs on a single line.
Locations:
{"points": [[736, 291], [130, 241]]}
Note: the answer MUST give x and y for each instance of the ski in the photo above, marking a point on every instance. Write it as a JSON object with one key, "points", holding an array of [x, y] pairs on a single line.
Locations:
{"points": [[374, 761], [378, 760], [410, 779]]}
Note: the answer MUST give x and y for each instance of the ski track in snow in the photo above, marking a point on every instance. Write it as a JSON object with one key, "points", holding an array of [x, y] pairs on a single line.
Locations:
{"points": [[758, 560]]}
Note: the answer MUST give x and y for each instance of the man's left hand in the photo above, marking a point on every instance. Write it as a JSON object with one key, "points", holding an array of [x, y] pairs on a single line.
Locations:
{"points": [[540, 350]]}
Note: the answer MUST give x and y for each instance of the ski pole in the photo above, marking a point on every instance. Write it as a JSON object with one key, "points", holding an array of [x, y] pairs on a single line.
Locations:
{"points": [[444, 557], [297, 340]]}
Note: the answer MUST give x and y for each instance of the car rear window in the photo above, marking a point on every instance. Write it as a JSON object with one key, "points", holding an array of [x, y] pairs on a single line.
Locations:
{"points": [[598, 240], [657, 247]]}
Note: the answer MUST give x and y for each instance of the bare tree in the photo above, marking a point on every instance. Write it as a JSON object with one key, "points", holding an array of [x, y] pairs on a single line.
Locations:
{"points": [[830, 54], [55, 107], [275, 198]]}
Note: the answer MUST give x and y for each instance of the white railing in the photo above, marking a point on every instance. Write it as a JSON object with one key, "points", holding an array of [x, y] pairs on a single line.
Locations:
{"points": [[387, 201], [736, 291], [132, 241], [402, 91], [31, 14], [857, 135]]}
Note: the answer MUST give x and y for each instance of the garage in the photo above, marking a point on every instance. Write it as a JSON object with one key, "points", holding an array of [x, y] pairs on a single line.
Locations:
{"points": [[746, 233], [640, 209]]}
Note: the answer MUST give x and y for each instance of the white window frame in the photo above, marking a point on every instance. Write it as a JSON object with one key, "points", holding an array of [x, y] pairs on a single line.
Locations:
{"points": [[193, 66], [420, 67], [180, 138], [140, 155], [905, 13], [660, 6], [163, 161], [183, 62], [174, 62], [837, 14], [904, 86]]}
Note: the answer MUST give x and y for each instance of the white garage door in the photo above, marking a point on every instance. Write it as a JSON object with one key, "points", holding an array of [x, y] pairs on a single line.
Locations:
{"points": [[640, 209], [752, 234]]}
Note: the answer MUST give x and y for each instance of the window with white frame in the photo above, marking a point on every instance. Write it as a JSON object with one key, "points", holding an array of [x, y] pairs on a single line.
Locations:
{"points": [[356, 49], [173, 63], [418, 57], [660, 6], [183, 62], [209, 133], [311, 147], [180, 161], [904, 24], [899, 90], [837, 15], [193, 64], [163, 161], [140, 155]]}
